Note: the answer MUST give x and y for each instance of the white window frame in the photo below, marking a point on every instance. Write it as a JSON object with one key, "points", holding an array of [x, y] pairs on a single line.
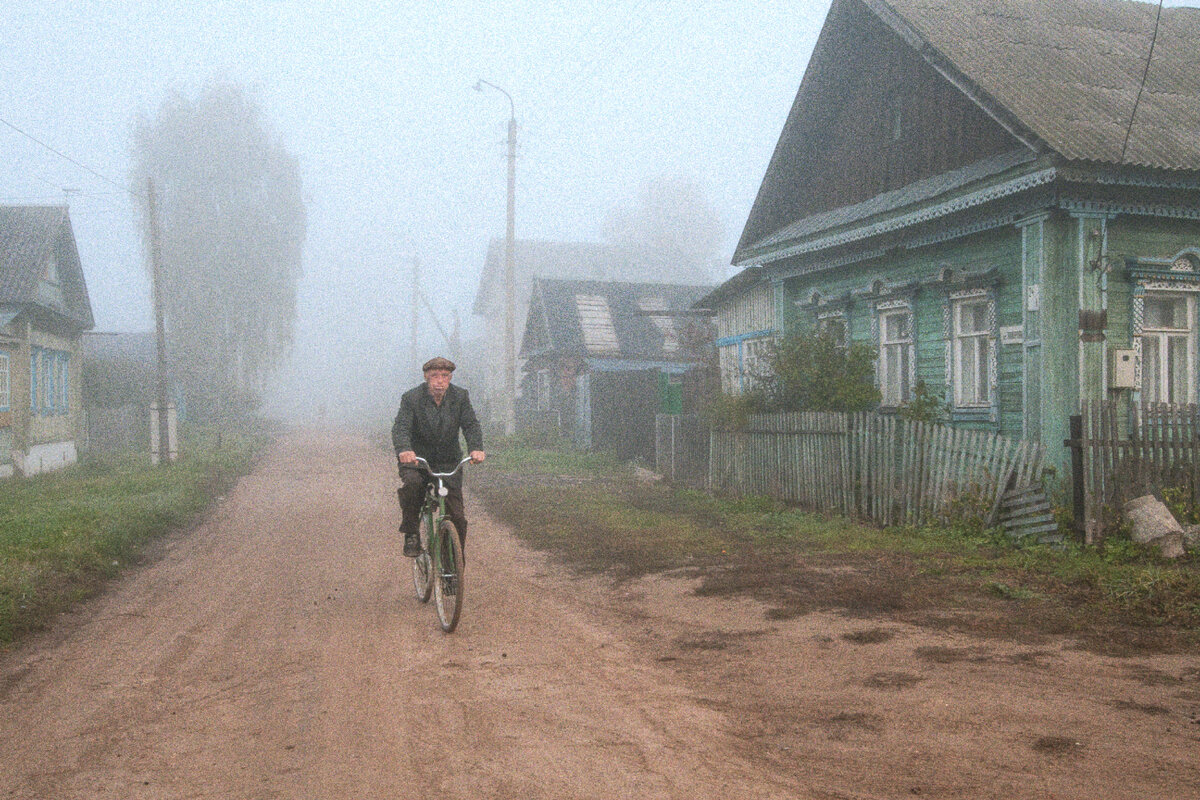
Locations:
{"points": [[826, 319], [1158, 339], [981, 343], [895, 385], [543, 389]]}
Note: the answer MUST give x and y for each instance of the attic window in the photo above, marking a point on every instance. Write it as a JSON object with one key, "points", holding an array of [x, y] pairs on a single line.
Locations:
{"points": [[51, 275], [595, 321], [895, 116], [664, 323]]}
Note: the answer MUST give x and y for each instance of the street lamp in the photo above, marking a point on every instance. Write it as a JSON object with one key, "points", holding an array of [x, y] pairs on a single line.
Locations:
{"points": [[510, 355]]}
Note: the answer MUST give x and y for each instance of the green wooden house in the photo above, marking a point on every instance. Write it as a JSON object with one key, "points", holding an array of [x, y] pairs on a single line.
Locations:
{"points": [[988, 193]]}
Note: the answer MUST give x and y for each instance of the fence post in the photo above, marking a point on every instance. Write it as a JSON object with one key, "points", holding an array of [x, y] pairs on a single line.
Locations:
{"points": [[1078, 506]]}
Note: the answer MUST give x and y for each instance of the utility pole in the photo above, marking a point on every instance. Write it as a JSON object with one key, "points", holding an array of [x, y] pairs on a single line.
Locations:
{"points": [[164, 430], [510, 346], [416, 309]]}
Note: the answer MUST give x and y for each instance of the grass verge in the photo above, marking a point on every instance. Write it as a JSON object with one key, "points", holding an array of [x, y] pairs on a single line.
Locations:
{"points": [[596, 516], [63, 534]]}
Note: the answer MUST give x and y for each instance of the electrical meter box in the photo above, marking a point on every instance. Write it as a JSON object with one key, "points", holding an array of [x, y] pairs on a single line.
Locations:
{"points": [[1121, 376]]}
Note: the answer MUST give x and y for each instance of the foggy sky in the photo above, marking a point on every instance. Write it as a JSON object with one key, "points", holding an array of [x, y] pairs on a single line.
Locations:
{"points": [[399, 157]]}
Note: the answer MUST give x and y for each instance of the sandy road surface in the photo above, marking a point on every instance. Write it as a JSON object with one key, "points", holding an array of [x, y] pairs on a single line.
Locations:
{"points": [[277, 652]]}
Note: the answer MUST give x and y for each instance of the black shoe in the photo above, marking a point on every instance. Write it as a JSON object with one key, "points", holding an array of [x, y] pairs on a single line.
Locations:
{"points": [[412, 545]]}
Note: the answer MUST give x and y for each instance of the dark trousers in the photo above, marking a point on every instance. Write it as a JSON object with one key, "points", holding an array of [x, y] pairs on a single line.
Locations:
{"points": [[412, 496]]}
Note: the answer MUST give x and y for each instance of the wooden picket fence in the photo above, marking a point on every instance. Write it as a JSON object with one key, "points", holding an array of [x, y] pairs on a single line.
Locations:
{"points": [[879, 467], [1133, 452]]}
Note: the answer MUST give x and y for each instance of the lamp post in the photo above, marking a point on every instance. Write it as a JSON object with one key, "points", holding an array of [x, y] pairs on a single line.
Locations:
{"points": [[510, 355]]}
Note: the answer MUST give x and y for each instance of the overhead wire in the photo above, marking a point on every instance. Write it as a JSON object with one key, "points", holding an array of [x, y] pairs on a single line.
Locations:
{"points": [[60, 154], [1141, 87]]}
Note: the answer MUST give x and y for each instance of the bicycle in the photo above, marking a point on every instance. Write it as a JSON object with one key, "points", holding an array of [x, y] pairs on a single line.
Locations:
{"points": [[438, 570]]}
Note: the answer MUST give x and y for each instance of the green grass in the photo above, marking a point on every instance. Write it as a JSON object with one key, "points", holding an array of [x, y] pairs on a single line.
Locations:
{"points": [[63, 534], [595, 516]]}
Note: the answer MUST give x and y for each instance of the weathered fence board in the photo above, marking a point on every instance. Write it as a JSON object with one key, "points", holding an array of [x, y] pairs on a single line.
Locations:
{"points": [[889, 470], [1125, 454]]}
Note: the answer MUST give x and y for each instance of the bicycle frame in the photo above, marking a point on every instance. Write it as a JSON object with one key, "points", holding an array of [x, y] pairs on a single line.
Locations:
{"points": [[429, 567], [437, 493]]}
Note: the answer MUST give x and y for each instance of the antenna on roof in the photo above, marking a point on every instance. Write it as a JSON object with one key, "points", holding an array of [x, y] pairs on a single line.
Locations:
{"points": [[1145, 72]]}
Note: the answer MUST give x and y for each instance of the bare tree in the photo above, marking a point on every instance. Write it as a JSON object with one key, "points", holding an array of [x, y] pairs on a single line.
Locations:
{"points": [[232, 224], [673, 230]]}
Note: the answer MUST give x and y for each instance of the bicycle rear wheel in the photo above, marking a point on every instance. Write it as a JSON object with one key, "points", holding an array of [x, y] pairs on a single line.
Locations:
{"points": [[448, 583], [422, 565]]}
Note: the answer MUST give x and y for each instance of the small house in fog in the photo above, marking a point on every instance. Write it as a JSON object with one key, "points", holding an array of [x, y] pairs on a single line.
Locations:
{"points": [[531, 259], [44, 310], [602, 358]]}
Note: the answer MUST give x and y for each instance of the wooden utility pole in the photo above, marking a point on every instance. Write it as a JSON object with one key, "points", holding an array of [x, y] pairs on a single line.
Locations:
{"points": [[164, 430], [416, 309], [510, 346]]}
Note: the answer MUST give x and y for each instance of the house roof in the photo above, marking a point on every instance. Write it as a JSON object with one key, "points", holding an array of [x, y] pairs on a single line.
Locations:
{"points": [[1070, 70], [609, 320], [29, 237], [1061, 76], [535, 257]]}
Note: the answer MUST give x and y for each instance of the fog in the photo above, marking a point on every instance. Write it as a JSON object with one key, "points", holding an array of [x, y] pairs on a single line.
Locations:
{"points": [[399, 158]]}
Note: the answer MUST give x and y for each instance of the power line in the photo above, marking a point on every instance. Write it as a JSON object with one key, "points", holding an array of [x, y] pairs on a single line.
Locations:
{"points": [[1142, 85], [60, 154]]}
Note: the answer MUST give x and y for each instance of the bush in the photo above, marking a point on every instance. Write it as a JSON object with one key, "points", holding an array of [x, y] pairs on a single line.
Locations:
{"points": [[815, 371]]}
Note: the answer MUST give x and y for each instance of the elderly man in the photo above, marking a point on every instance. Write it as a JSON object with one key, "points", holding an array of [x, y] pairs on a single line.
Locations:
{"points": [[427, 425]]}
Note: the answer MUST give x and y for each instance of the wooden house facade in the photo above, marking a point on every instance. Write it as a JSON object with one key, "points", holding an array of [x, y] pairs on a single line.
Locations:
{"points": [[44, 309], [986, 193], [602, 358], [532, 258]]}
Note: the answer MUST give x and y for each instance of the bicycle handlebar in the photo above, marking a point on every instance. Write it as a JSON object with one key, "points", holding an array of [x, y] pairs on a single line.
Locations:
{"points": [[429, 469]]}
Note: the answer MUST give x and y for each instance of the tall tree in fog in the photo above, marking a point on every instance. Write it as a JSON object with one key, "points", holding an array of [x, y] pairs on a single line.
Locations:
{"points": [[673, 230], [232, 228]]}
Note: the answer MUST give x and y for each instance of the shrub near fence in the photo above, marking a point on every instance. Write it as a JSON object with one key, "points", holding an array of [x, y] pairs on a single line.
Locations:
{"points": [[879, 467]]}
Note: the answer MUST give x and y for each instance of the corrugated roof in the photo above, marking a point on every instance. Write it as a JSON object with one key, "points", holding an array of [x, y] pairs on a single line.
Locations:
{"points": [[1070, 70], [28, 236], [634, 317]]}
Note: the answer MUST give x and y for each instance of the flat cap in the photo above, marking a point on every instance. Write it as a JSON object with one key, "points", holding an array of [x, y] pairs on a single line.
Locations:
{"points": [[438, 363]]}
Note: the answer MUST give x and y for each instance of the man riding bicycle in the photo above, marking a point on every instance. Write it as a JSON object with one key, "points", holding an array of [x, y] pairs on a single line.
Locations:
{"points": [[427, 425]]}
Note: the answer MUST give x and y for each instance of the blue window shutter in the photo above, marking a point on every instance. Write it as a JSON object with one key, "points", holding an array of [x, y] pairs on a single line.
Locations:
{"points": [[33, 381], [66, 383]]}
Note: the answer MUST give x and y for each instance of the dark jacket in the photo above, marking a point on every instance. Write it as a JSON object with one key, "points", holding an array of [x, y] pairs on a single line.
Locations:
{"points": [[431, 431]]}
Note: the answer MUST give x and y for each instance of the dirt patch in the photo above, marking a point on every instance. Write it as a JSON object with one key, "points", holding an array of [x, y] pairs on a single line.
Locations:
{"points": [[847, 724], [715, 640], [793, 587], [869, 636], [1142, 708], [892, 680], [1057, 745]]}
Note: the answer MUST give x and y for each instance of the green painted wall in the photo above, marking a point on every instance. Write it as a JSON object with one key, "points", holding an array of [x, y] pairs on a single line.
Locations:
{"points": [[999, 249], [1044, 367]]}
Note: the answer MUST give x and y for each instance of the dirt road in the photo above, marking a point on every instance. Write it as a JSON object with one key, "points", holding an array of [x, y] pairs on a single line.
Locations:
{"points": [[277, 652]]}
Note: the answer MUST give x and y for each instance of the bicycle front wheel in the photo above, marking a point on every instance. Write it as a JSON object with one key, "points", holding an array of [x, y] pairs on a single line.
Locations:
{"points": [[422, 566], [448, 583]]}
